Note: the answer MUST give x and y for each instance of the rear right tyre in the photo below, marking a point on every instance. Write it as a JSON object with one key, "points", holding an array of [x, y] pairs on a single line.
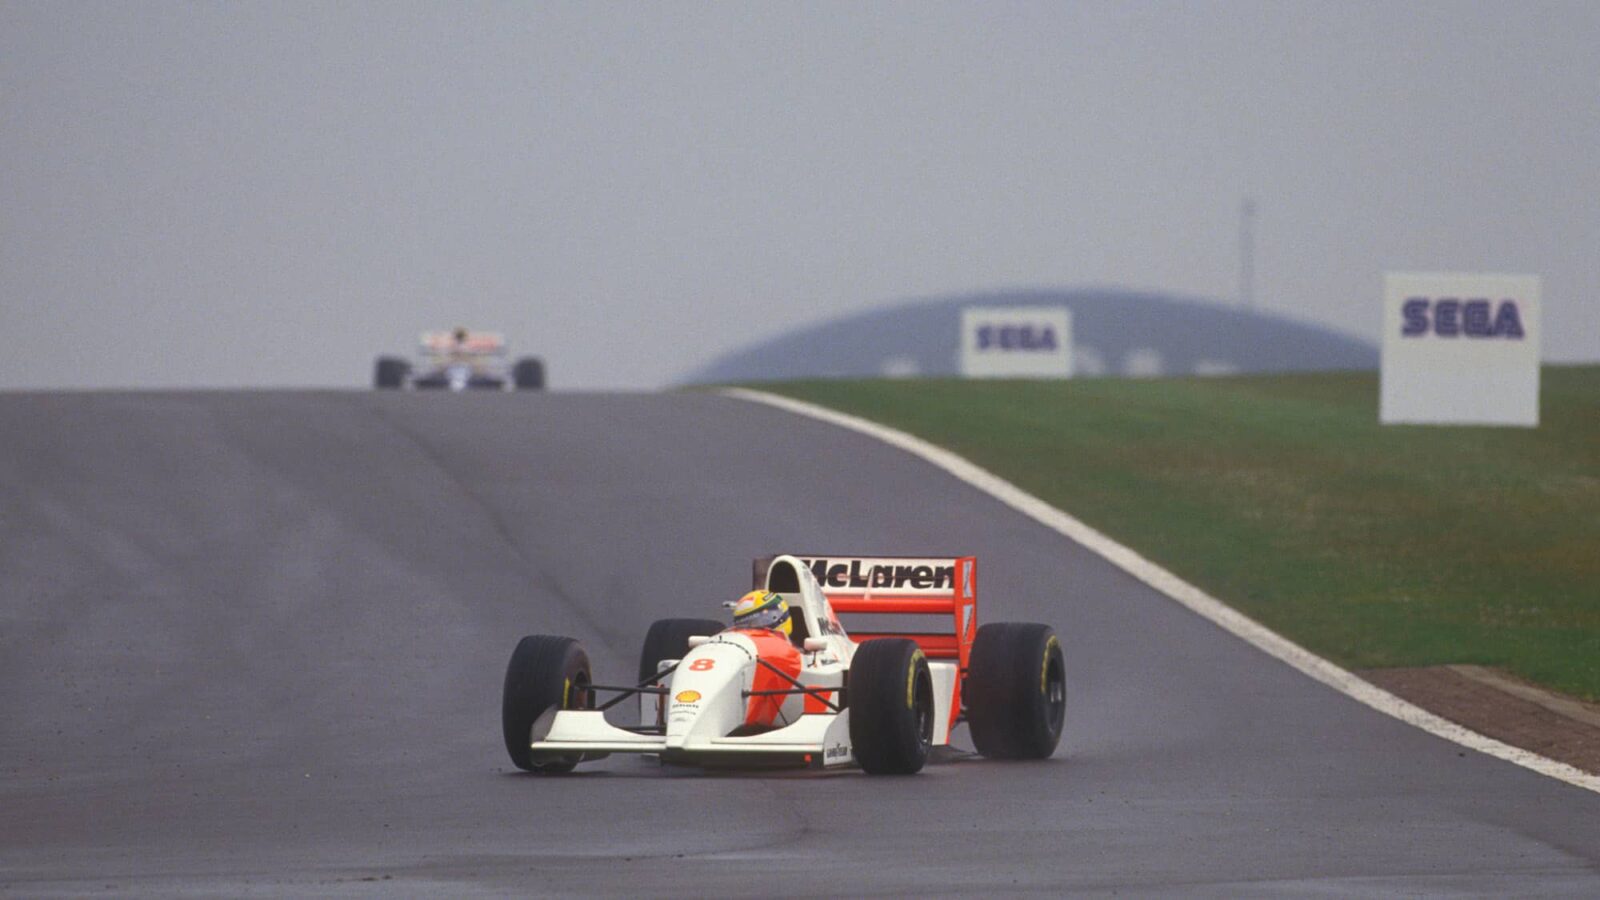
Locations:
{"points": [[1016, 693], [669, 639], [545, 671], [890, 697]]}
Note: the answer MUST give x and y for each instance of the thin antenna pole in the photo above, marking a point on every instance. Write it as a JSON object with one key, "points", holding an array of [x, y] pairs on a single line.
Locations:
{"points": [[1247, 253]]}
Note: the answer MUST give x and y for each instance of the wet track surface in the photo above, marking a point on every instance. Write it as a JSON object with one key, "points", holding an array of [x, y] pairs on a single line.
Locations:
{"points": [[252, 643]]}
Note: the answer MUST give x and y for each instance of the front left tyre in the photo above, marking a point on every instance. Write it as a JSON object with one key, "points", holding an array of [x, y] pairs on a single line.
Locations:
{"points": [[545, 671], [890, 697], [528, 374]]}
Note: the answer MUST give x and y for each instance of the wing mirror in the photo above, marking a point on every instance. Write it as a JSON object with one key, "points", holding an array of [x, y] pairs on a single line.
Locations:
{"points": [[813, 644]]}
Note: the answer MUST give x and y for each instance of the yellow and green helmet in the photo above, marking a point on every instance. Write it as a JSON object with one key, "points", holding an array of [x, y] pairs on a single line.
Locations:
{"points": [[762, 609]]}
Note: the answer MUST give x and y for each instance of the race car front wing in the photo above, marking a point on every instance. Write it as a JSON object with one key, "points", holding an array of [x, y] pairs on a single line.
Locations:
{"points": [[818, 739]]}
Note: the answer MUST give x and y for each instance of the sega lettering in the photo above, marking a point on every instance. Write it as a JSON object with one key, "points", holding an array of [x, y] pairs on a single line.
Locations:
{"points": [[1014, 338], [1451, 317]]}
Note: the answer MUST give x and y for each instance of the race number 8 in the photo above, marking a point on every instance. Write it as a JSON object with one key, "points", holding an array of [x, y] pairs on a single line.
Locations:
{"points": [[701, 664]]}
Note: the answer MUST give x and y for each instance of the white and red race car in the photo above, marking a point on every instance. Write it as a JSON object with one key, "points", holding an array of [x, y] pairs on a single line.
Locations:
{"points": [[821, 697], [459, 360]]}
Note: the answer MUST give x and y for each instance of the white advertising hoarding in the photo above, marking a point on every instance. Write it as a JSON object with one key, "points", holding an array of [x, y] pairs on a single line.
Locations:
{"points": [[1016, 342], [1460, 349]]}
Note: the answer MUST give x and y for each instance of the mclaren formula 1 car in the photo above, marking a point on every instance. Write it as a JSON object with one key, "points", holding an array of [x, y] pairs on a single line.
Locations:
{"points": [[459, 360], [819, 697]]}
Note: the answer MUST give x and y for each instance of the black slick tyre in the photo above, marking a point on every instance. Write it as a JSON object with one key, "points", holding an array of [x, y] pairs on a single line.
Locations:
{"points": [[545, 671], [669, 639], [890, 698], [1015, 692], [390, 373], [528, 374]]}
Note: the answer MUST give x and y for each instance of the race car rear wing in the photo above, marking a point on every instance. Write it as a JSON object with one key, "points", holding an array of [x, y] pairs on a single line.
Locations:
{"points": [[914, 585], [476, 343]]}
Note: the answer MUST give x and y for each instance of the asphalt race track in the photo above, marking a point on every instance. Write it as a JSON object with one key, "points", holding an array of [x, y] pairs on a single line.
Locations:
{"points": [[252, 643]]}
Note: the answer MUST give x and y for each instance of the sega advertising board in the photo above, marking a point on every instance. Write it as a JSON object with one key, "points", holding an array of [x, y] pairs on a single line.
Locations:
{"points": [[1460, 349], [1016, 342]]}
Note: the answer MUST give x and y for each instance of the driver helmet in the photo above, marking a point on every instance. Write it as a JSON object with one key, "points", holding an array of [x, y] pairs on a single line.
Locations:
{"points": [[762, 609]]}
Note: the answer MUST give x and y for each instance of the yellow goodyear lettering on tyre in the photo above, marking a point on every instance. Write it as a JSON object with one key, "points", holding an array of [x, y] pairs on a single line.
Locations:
{"points": [[1044, 665], [566, 689], [911, 679], [688, 697]]}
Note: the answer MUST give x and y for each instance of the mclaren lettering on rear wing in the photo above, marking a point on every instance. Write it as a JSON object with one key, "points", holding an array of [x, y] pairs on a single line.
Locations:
{"points": [[913, 585], [476, 343]]}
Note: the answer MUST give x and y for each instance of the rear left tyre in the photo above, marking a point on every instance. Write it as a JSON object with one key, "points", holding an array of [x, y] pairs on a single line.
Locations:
{"points": [[1016, 691], [545, 671], [890, 697]]}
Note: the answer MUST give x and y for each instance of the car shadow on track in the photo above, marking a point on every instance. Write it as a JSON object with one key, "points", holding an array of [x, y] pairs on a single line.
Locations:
{"points": [[650, 767]]}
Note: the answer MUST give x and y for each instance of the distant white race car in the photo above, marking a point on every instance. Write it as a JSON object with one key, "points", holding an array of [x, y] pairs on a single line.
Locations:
{"points": [[710, 695], [459, 360]]}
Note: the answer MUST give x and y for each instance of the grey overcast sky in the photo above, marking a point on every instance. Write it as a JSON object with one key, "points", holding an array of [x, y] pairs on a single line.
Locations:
{"points": [[272, 193]]}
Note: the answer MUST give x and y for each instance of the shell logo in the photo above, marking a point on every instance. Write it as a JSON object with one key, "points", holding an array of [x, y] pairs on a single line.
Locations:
{"points": [[688, 697]]}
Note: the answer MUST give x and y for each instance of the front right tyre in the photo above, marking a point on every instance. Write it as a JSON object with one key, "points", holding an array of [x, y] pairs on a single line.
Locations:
{"points": [[545, 671], [390, 373]]}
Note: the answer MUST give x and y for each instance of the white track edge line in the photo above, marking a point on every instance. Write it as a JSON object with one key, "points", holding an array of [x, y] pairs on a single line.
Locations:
{"points": [[1188, 595]]}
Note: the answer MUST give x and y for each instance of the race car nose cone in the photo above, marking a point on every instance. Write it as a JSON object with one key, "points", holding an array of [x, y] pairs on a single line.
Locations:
{"points": [[707, 691]]}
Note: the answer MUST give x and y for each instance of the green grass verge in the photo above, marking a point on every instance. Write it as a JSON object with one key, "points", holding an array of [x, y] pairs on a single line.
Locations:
{"points": [[1281, 495]]}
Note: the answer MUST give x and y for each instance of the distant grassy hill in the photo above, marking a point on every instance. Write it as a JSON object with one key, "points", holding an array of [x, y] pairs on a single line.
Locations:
{"points": [[1373, 545], [1113, 331]]}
